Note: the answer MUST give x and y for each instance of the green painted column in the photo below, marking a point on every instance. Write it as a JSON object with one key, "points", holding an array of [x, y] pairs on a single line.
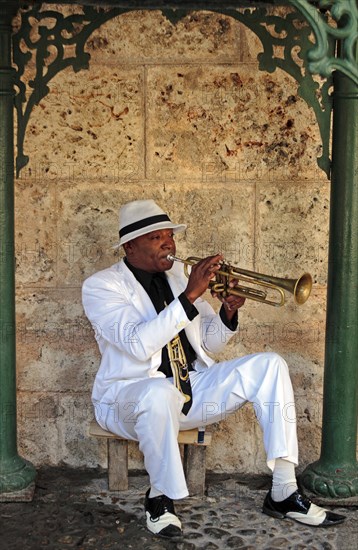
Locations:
{"points": [[335, 474], [16, 474]]}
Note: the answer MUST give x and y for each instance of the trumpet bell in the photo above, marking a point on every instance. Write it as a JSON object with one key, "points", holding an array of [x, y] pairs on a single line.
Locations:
{"points": [[302, 288]]}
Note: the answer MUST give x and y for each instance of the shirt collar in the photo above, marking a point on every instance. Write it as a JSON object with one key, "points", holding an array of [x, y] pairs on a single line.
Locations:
{"points": [[144, 277]]}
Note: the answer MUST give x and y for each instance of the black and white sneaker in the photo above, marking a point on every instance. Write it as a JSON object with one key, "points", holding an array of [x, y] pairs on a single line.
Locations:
{"points": [[161, 517]]}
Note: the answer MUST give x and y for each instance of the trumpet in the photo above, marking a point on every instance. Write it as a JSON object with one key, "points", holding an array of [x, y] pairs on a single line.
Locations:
{"points": [[262, 284]]}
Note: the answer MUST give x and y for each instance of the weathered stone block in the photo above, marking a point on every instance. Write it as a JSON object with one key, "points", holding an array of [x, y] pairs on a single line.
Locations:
{"points": [[150, 37], [292, 229], [89, 127], [205, 124], [35, 233]]}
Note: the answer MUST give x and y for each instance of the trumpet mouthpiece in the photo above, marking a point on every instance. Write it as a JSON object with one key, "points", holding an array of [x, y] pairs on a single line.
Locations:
{"points": [[170, 258]]}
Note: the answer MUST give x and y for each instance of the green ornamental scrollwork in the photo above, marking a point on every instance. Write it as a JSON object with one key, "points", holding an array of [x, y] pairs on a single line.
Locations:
{"points": [[42, 39], [344, 13], [289, 33]]}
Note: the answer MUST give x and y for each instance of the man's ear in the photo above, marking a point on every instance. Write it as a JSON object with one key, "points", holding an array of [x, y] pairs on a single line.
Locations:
{"points": [[128, 248]]}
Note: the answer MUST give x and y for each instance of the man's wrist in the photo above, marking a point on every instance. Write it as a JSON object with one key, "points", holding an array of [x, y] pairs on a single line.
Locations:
{"points": [[188, 306], [189, 297], [230, 322]]}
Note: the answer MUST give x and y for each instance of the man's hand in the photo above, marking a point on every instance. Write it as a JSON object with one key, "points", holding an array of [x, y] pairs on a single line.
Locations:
{"points": [[231, 303], [201, 275]]}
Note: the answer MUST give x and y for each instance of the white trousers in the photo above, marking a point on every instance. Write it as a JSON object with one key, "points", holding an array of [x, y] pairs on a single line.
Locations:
{"points": [[149, 411]]}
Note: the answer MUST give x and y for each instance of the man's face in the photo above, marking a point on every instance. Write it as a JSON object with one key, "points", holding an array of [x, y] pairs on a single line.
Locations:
{"points": [[149, 252]]}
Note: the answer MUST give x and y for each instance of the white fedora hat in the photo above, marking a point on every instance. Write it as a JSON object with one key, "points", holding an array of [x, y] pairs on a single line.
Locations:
{"points": [[138, 218]]}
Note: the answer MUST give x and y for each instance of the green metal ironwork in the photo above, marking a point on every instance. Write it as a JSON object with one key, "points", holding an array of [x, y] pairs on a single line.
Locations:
{"points": [[321, 59], [59, 32], [336, 472], [16, 474], [291, 34]]}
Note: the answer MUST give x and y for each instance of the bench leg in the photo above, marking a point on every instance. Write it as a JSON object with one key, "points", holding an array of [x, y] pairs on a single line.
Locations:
{"points": [[117, 465], [194, 468]]}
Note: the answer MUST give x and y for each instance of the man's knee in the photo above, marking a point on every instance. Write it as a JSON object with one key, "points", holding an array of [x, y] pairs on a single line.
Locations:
{"points": [[161, 398], [275, 361]]}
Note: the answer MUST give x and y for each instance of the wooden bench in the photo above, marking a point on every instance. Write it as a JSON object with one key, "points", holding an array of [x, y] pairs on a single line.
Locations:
{"points": [[117, 449]]}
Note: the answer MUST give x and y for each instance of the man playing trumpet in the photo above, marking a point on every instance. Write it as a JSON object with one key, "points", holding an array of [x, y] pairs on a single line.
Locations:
{"points": [[154, 331]]}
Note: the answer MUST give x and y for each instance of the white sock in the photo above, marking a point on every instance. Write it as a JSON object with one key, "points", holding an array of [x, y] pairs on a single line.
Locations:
{"points": [[284, 480], [154, 492]]}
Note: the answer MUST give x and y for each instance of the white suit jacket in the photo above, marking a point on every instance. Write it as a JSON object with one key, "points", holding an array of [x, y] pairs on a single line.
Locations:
{"points": [[129, 332]]}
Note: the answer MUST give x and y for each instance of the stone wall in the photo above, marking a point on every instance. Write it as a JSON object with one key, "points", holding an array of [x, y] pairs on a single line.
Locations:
{"points": [[182, 114]]}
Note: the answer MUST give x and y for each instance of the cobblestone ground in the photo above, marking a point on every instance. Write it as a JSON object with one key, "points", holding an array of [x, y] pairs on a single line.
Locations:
{"points": [[73, 509]]}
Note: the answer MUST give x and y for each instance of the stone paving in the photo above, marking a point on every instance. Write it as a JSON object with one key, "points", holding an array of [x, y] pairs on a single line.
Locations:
{"points": [[74, 509]]}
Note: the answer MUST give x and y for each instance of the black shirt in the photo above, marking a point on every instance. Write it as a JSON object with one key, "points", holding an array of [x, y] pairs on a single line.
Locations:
{"points": [[157, 287]]}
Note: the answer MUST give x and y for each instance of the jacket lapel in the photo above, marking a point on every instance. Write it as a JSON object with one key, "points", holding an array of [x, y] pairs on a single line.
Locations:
{"points": [[178, 285], [139, 297]]}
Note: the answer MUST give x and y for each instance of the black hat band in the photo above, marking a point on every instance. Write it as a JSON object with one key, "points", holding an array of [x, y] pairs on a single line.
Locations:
{"points": [[143, 223]]}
